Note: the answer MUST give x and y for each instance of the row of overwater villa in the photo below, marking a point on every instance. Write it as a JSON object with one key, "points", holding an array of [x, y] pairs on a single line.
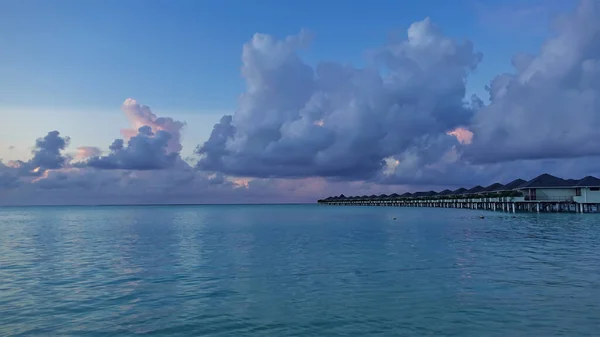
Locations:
{"points": [[545, 193]]}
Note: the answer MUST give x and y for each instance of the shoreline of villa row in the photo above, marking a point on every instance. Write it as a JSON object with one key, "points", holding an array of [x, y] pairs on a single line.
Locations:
{"points": [[544, 193]]}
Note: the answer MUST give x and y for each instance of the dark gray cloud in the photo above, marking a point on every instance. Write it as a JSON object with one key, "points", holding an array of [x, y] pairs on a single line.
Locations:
{"points": [[335, 120], [47, 152], [8, 177], [145, 151], [390, 126], [74, 179], [451, 171], [550, 107]]}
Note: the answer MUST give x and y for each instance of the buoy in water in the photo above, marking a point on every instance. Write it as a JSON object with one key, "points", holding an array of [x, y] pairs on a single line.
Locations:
{"points": [[394, 219]]}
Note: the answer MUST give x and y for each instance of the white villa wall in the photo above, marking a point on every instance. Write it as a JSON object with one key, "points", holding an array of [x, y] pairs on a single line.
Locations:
{"points": [[553, 193], [588, 196]]}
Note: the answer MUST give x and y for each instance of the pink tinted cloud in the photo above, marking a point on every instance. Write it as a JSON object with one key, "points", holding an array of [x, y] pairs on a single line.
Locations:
{"points": [[14, 163], [463, 135], [140, 115], [84, 152]]}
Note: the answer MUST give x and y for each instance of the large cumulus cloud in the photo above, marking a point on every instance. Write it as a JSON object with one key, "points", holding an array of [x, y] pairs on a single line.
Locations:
{"points": [[336, 120], [402, 123], [550, 106], [145, 151], [406, 120], [145, 169], [140, 115], [154, 145], [542, 118], [47, 153]]}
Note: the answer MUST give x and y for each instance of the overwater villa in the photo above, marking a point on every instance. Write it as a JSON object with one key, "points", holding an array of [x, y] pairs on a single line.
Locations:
{"points": [[544, 193]]}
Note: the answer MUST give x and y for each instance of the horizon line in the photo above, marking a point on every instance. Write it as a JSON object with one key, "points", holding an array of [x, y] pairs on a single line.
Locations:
{"points": [[160, 204]]}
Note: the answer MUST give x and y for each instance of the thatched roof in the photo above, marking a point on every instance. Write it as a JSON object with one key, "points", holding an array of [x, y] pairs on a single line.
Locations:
{"points": [[445, 192], [493, 187], [572, 182], [476, 189], [546, 180], [424, 194], [459, 191], [513, 185], [588, 181], [542, 181]]}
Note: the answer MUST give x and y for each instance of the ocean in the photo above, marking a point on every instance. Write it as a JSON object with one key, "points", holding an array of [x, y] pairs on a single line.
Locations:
{"points": [[296, 270]]}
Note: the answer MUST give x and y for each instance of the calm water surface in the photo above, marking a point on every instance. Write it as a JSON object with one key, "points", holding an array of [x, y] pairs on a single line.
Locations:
{"points": [[296, 271]]}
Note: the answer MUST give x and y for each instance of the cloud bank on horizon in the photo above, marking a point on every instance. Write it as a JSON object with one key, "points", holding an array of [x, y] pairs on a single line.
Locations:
{"points": [[302, 132]]}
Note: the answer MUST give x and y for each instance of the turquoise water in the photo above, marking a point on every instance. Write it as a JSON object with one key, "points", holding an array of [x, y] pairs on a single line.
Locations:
{"points": [[296, 271]]}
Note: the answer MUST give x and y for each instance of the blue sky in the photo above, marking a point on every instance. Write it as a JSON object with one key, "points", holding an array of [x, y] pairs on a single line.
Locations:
{"points": [[65, 62], [247, 107]]}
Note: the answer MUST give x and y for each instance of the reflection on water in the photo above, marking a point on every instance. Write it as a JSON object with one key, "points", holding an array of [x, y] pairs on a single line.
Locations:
{"points": [[296, 271]]}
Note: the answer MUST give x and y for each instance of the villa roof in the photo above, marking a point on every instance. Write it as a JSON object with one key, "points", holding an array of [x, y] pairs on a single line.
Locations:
{"points": [[475, 189], [513, 184], [542, 181], [459, 191], [493, 187], [546, 180], [424, 194], [588, 181], [445, 192]]}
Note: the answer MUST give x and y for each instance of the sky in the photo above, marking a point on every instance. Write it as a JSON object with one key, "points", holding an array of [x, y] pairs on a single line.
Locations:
{"points": [[155, 101]]}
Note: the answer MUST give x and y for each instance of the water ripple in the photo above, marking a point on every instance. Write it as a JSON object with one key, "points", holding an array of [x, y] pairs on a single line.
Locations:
{"points": [[296, 271]]}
